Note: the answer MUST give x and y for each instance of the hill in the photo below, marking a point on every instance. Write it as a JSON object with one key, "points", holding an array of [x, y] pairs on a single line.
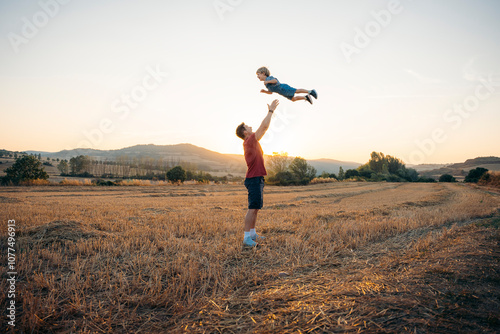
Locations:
{"points": [[332, 166], [202, 158], [426, 167], [460, 170]]}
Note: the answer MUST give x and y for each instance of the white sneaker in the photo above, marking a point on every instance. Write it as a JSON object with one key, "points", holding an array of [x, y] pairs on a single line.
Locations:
{"points": [[248, 242], [257, 237]]}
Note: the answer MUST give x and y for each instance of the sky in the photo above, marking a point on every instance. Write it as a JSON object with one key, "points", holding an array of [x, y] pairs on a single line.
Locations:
{"points": [[419, 80]]}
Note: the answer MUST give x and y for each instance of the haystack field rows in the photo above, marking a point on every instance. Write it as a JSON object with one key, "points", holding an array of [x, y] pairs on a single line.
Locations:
{"points": [[337, 258]]}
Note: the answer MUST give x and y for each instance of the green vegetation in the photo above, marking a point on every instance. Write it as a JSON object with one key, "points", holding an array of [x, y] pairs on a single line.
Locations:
{"points": [[447, 178], [176, 174], [26, 168], [382, 167], [136, 168], [284, 171], [475, 174]]}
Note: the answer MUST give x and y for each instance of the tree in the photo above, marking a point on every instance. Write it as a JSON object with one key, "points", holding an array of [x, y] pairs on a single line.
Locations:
{"points": [[376, 162], [447, 178], [277, 163], [365, 171], [176, 174], [382, 167], [325, 175], [24, 169], [285, 178], [351, 173], [475, 174], [302, 170], [284, 171], [80, 165], [63, 167], [341, 175]]}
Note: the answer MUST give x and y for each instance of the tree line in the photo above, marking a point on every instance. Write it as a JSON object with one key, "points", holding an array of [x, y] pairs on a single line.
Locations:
{"points": [[282, 170], [122, 167]]}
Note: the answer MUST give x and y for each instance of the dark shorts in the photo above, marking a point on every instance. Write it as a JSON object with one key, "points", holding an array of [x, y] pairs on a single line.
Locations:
{"points": [[255, 186]]}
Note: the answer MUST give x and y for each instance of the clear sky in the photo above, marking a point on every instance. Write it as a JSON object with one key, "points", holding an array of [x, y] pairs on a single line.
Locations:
{"points": [[419, 80]]}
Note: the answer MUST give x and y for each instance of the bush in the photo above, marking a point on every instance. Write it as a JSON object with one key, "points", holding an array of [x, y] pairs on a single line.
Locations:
{"points": [[70, 182], [475, 174], [283, 179], [323, 180], [426, 179], [351, 173], [100, 182], [447, 178], [491, 179], [37, 182], [394, 178], [176, 174]]}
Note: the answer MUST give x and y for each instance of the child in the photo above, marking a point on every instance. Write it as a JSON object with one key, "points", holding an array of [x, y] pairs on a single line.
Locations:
{"points": [[274, 86]]}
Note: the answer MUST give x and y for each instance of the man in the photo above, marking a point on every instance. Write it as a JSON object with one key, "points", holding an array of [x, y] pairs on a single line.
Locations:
{"points": [[254, 181]]}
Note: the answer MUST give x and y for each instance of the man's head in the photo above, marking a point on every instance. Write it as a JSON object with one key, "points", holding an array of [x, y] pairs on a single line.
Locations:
{"points": [[263, 73], [243, 131]]}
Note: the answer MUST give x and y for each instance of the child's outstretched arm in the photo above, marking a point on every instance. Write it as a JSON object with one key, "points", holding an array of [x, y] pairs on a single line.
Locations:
{"points": [[265, 91]]}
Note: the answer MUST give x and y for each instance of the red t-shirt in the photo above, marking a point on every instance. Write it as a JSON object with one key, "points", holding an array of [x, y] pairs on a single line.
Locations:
{"points": [[254, 156]]}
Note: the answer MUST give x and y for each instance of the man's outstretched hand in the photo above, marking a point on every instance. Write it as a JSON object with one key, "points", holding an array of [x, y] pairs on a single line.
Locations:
{"points": [[267, 121], [273, 105]]}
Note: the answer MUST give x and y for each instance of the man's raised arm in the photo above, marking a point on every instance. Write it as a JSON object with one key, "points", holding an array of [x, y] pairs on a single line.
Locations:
{"points": [[267, 121]]}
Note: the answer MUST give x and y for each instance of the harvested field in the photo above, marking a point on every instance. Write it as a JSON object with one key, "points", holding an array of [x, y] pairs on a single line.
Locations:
{"points": [[339, 257]]}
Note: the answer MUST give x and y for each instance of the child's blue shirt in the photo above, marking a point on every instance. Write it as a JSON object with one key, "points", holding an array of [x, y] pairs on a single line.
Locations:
{"points": [[279, 88]]}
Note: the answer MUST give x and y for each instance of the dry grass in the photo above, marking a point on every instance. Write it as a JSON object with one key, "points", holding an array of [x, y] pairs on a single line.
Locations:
{"points": [[493, 180], [317, 180], [339, 257], [85, 182], [37, 182]]}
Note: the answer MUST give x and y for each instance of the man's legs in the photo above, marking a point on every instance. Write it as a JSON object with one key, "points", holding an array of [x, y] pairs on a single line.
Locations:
{"points": [[251, 219], [255, 188]]}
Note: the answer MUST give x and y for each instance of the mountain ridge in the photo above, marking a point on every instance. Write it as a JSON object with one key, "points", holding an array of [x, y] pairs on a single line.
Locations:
{"points": [[185, 152], [209, 160]]}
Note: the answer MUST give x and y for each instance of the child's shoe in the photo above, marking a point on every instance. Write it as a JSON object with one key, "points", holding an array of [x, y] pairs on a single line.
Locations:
{"points": [[309, 99], [314, 94]]}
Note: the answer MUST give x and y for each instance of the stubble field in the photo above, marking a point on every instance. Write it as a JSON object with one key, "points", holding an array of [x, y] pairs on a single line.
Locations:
{"points": [[340, 257]]}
